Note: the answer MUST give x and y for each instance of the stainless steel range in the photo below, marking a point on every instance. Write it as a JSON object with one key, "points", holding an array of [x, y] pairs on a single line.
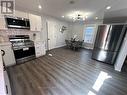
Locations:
{"points": [[23, 48]]}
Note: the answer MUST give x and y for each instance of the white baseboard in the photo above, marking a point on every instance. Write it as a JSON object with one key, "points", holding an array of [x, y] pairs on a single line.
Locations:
{"points": [[57, 47], [60, 46]]}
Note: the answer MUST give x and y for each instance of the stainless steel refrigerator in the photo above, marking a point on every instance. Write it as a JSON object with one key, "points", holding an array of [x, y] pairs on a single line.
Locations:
{"points": [[108, 41]]}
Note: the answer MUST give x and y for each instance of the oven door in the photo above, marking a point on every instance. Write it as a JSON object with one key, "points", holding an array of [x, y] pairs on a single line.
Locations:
{"points": [[24, 54]]}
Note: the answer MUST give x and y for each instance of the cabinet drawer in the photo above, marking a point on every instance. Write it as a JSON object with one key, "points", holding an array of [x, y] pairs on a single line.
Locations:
{"points": [[38, 47]]}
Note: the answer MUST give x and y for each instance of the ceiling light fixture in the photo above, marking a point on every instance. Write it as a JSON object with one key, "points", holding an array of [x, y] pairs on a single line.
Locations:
{"points": [[78, 16], [96, 18], [84, 19], [72, 2], [62, 16], [108, 7], [39, 6]]}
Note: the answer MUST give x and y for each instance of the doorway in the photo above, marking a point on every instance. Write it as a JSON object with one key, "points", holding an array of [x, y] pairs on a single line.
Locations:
{"points": [[51, 35]]}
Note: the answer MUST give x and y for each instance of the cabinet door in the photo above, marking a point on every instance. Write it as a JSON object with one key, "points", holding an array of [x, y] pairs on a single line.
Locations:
{"points": [[35, 22], [43, 48], [21, 14], [32, 22], [39, 23], [9, 58], [40, 49]]}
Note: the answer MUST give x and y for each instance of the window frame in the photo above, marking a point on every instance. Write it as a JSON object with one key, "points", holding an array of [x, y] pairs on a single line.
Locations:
{"points": [[84, 33]]}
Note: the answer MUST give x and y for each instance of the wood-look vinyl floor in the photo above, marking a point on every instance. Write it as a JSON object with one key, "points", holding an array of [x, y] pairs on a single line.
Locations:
{"points": [[66, 73]]}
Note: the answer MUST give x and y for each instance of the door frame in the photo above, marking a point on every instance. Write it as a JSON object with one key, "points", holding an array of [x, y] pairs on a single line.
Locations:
{"points": [[47, 36]]}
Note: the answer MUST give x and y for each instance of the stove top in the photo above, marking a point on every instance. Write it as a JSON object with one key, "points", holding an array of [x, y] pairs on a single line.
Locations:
{"points": [[21, 41]]}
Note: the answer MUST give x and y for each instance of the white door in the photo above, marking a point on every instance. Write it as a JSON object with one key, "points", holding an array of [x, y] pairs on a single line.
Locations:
{"points": [[51, 35]]}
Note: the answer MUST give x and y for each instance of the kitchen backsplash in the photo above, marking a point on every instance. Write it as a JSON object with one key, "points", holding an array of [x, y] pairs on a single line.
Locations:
{"points": [[4, 34]]}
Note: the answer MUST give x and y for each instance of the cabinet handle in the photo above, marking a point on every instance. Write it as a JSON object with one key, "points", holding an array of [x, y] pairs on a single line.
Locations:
{"points": [[3, 52], [6, 89]]}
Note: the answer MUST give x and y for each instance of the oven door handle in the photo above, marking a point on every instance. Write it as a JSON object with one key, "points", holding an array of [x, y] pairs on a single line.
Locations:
{"points": [[3, 52], [22, 48], [17, 49]]}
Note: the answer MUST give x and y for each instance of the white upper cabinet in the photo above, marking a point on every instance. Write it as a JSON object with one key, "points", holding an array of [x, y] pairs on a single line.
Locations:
{"points": [[35, 22], [39, 23], [21, 14]]}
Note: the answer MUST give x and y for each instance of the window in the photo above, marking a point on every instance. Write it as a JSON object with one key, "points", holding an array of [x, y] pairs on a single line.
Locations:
{"points": [[89, 34]]}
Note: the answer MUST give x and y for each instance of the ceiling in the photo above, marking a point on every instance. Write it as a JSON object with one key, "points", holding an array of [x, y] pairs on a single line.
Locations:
{"points": [[58, 8]]}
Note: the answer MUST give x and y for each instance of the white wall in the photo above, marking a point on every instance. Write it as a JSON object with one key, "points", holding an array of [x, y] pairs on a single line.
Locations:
{"points": [[59, 38], [121, 56], [78, 29]]}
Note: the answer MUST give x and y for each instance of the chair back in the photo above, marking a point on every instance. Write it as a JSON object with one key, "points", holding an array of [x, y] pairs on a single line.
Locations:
{"points": [[68, 42]]}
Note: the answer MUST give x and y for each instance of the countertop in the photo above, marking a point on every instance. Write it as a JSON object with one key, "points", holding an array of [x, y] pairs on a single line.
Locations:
{"points": [[5, 43]]}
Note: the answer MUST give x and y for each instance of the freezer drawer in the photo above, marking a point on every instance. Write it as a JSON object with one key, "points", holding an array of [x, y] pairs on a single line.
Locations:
{"points": [[104, 56]]}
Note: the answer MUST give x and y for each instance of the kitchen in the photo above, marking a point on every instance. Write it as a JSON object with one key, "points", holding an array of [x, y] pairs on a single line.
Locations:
{"points": [[20, 40], [28, 34]]}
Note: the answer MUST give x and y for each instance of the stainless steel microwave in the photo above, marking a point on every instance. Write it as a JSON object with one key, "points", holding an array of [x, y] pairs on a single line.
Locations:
{"points": [[17, 22]]}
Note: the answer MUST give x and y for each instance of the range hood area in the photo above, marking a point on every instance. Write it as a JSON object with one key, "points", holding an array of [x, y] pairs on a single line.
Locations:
{"points": [[17, 22]]}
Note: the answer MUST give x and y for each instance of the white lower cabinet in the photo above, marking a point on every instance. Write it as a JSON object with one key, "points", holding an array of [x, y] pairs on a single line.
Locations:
{"points": [[40, 48], [8, 58]]}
